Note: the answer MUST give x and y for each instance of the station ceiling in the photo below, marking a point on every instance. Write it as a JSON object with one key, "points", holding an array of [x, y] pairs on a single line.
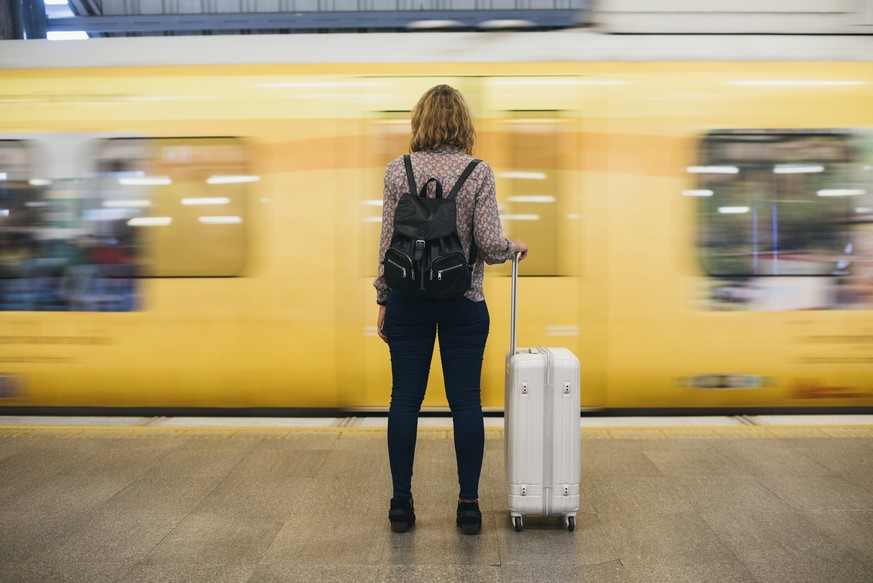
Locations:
{"points": [[210, 17]]}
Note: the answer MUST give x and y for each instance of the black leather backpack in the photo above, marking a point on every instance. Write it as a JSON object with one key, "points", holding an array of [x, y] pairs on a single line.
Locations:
{"points": [[426, 258]]}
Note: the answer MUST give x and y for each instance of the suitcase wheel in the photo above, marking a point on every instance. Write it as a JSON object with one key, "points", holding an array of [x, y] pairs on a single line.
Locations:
{"points": [[571, 523], [516, 522]]}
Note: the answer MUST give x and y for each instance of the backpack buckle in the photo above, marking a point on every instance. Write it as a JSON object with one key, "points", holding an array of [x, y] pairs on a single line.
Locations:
{"points": [[418, 249]]}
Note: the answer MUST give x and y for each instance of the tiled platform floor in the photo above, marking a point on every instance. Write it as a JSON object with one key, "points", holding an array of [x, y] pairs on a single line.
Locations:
{"points": [[158, 502]]}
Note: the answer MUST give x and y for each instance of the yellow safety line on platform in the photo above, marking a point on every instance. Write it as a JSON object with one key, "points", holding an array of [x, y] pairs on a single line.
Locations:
{"points": [[706, 432]]}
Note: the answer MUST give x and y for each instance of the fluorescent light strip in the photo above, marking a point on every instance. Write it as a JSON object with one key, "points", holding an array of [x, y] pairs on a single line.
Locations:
{"points": [[532, 198], [373, 202], [3, 176], [134, 203], [733, 210], [67, 35], [697, 193], [146, 181], [841, 192], [797, 168], [232, 179], [372, 219], [520, 217], [713, 170], [39, 182], [798, 83], [524, 175], [150, 221], [535, 82], [4, 212], [220, 220], [432, 24], [205, 201], [317, 84]]}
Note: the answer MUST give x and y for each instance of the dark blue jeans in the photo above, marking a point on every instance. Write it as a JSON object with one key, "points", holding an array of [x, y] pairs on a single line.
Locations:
{"points": [[411, 325]]}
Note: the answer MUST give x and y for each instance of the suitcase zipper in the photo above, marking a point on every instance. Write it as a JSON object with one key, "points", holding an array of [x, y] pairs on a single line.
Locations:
{"points": [[549, 431]]}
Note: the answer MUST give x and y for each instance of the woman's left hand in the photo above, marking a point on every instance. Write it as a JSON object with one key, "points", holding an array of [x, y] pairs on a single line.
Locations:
{"points": [[380, 323]]}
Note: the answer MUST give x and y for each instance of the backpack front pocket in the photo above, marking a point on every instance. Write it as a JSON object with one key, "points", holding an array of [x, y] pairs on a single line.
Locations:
{"points": [[399, 273], [449, 276]]}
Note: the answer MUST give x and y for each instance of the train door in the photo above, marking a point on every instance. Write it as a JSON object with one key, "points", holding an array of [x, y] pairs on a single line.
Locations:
{"points": [[364, 374], [529, 130]]}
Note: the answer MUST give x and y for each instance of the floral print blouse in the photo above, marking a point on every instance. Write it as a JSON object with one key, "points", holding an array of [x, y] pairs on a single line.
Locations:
{"points": [[476, 203]]}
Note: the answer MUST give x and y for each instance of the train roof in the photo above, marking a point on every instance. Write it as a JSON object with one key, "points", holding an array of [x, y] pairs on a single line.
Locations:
{"points": [[574, 45]]}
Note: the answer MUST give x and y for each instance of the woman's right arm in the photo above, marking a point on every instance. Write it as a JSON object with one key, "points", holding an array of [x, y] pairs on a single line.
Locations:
{"points": [[492, 246]]}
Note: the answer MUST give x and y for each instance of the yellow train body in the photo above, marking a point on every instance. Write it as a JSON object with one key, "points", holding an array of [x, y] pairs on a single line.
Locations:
{"points": [[614, 274]]}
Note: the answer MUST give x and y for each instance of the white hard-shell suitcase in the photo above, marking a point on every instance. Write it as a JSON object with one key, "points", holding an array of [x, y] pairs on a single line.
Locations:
{"points": [[541, 429]]}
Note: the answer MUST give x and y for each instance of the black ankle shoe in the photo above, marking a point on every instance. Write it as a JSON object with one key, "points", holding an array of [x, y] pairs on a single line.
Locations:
{"points": [[401, 515], [469, 517]]}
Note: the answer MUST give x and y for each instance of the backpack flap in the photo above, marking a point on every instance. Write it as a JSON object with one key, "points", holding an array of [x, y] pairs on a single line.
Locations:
{"points": [[425, 218]]}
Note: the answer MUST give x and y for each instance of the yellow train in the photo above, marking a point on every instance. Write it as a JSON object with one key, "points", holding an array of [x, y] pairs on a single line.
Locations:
{"points": [[193, 222]]}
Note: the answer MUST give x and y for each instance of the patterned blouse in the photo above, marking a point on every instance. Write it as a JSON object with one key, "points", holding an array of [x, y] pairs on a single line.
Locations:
{"points": [[476, 204]]}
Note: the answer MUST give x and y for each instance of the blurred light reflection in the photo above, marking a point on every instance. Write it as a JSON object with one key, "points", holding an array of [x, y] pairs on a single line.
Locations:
{"points": [[713, 170], [150, 221], [205, 201], [145, 181]]}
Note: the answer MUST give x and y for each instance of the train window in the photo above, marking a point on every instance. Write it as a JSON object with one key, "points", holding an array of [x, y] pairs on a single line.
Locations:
{"points": [[184, 198], [528, 188], [23, 225], [774, 202]]}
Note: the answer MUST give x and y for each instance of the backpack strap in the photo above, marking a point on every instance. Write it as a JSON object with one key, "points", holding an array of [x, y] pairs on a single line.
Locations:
{"points": [[464, 175], [410, 177], [457, 187]]}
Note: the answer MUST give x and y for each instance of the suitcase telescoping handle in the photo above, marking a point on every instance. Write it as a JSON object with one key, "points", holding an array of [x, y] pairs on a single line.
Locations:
{"points": [[514, 303]]}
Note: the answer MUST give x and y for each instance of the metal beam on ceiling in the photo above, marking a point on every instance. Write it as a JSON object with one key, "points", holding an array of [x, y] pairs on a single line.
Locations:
{"points": [[400, 19]]}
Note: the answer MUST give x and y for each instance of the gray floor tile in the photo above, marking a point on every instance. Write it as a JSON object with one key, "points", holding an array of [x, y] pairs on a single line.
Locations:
{"points": [[274, 459], [65, 572], [161, 495], [204, 461], [436, 540], [24, 534], [681, 539], [216, 540], [545, 541], [193, 573], [611, 572], [71, 492], [635, 495], [254, 495], [110, 536], [315, 574], [329, 540], [816, 493], [845, 570], [439, 574], [689, 463], [312, 505], [853, 529], [761, 536], [607, 459], [770, 457], [727, 570], [737, 493]]}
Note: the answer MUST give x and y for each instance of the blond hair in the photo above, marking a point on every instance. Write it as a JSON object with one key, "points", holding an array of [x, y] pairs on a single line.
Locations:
{"points": [[442, 118]]}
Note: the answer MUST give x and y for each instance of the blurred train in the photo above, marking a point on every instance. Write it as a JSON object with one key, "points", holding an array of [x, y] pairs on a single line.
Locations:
{"points": [[192, 223]]}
